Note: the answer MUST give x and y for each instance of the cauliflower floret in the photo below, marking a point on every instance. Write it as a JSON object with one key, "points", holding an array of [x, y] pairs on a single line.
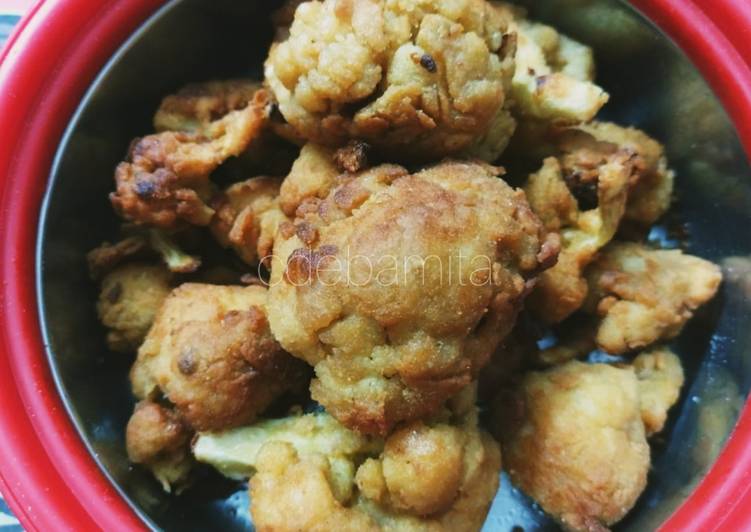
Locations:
{"points": [[312, 473], [562, 289], [652, 194], [646, 295], [210, 353], [171, 253], [419, 471], [158, 439], [398, 287], [129, 299], [165, 181], [313, 175], [600, 175], [553, 77], [291, 493], [195, 106], [247, 218], [234, 453], [316, 170], [427, 78], [107, 256], [580, 450], [660, 375], [141, 245]]}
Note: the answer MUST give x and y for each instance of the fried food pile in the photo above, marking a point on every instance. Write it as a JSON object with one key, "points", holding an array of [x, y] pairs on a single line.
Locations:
{"points": [[310, 472], [397, 287], [430, 78], [329, 324]]}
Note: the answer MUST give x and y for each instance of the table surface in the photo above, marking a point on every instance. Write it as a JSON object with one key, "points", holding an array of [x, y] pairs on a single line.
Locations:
{"points": [[10, 11]]}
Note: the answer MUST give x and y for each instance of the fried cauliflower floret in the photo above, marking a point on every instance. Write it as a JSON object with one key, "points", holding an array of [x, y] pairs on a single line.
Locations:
{"points": [[429, 78], [553, 80], [210, 353], [398, 287], [660, 375], [194, 107], [247, 217], [290, 492], [129, 299], [311, 473], [652, 194], [313, 175], [315, 171], [439, 475], [562, 289], [159, 440], [173, 256], [141, 245], [581, 450], [165, 180], [235, 452], [107, 256], [645, 295], [600, 175], [458, 489]]}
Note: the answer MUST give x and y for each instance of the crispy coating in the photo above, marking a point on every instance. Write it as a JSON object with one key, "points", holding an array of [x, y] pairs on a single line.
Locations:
{"points": [[313, 175], [353, 157], [424, 79], [660, 375], [194, 107], [490, 146], [553, 77], [165, 181], [419, 471], [315, 171], [652, 194], [142, 244], [426, 477], [293, 492], [235, 452], [580, 450], [247, 217], [129, 299], [562, 289], [210, 353], [108, 256], [159, 440], [601, 175], [398, 287], [645, 295]]}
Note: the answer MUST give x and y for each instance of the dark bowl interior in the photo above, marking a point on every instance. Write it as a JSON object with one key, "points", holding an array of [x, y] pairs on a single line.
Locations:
{"points": [[653, 86]]}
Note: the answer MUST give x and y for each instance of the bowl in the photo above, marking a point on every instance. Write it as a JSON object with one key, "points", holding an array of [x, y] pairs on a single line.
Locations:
{"points": [[79, 79]]}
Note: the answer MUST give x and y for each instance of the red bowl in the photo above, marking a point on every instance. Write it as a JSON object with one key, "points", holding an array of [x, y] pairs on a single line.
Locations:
{"points": [[47, 475]]}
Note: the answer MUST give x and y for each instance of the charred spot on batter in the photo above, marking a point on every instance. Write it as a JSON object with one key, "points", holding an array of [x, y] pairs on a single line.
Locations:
{"points": [[303, 263], [186, 362], [307, 233], [114, 293], [428, 63], [145, 189], [353, 157]]}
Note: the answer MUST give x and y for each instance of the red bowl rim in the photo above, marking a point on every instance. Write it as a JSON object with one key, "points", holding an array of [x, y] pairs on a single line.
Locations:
{"points": [[47, 475]]}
